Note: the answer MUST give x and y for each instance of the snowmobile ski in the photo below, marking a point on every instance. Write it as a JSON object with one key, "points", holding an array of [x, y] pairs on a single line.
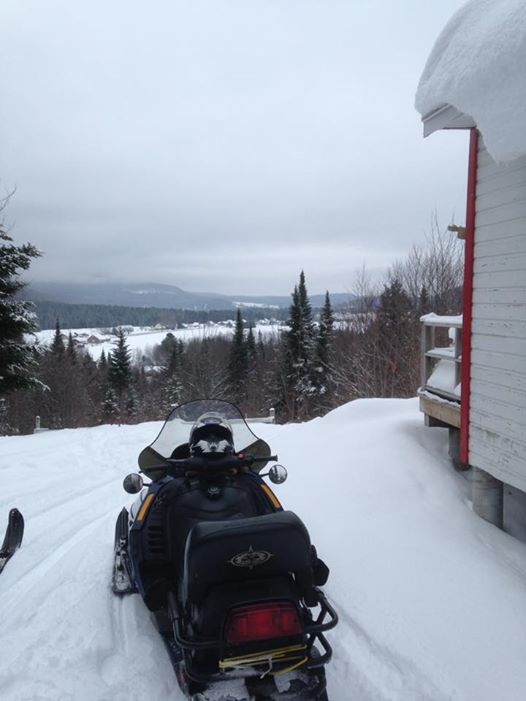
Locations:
{"points": [[122, 581], [13, 537]]}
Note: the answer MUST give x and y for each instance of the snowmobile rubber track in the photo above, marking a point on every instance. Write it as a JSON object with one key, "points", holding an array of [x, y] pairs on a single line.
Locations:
{"points": [[13, 537]]}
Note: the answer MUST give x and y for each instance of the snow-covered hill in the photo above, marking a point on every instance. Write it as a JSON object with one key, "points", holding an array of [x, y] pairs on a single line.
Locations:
{"points": [[432, 599]]}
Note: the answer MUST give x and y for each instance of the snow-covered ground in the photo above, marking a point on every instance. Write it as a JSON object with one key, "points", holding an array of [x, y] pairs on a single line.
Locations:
{"points": [[141, 339], [432, 599]]}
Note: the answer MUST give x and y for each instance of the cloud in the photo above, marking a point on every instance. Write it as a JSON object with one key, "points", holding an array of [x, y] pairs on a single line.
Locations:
{"points": [[168, 142]]}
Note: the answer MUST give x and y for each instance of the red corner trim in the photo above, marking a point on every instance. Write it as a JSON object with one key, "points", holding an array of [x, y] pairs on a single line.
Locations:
{"points": [[468, 298]]}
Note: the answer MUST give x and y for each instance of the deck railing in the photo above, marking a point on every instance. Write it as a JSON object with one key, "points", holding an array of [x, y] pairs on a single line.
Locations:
{"points": [[441, 356]]}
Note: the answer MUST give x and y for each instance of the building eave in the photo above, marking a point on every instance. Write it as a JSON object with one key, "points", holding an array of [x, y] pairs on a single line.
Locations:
{"points": [[446, 117]]}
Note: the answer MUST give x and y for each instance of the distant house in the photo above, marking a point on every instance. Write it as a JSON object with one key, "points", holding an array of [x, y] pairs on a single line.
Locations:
{"points": [[475, 79]]}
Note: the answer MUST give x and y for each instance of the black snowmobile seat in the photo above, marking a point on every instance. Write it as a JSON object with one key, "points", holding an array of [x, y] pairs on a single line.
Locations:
{"points": [[249, 548]]}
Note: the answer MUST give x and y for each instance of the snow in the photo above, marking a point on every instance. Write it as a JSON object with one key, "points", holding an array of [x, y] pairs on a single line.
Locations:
{"points": [[140, 340], [433, 319], [432, 599], [478, 65], [443, 375]]}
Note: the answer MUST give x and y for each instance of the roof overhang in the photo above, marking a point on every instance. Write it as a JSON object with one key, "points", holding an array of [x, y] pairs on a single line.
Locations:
{"points": [[446, 117]]}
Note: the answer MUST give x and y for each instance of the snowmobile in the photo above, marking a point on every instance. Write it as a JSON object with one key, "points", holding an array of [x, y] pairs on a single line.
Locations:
{"points": [[232, 580]]}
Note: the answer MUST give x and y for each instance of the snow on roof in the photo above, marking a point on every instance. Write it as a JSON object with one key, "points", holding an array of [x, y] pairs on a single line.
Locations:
{"points": [[478, 66]]}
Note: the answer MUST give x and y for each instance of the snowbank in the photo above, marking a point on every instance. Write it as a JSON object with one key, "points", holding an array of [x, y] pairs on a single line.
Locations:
{"points": [[432, 600], [478, 65]]}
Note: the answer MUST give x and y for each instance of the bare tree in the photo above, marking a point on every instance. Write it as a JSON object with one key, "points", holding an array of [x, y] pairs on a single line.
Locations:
{"points": [[435, 269]]}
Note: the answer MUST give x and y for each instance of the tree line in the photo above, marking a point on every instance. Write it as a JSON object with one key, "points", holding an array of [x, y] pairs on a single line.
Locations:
{"points": [[75, 316]]}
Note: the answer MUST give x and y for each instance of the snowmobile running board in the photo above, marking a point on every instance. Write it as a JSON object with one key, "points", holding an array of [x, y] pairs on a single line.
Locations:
{"points": [[13, 537]]}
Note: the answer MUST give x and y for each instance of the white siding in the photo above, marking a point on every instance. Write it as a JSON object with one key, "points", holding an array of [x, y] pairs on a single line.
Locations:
{"points": [[498, 361]]}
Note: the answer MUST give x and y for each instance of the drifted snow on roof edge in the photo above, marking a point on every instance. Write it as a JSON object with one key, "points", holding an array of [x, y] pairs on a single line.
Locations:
{"points": [[478, 65]]}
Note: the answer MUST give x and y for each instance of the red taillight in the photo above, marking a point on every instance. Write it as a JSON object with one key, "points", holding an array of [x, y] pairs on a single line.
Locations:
{"points": [[277, 620]]}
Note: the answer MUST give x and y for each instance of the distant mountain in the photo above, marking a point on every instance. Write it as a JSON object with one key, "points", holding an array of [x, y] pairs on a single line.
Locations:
{"points": [[133, 295], [159, 296]]}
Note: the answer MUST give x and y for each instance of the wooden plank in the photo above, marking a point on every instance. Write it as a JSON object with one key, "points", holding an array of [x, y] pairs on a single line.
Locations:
{"points": [[501, 246], [498, 312], [498, 215], [503, 280], [494, 231], [497, 377], [500, 198], [495, 391], [485, 295], [508, 363], [501, 427], [492, 415], [500, 345], [427, 341], [447, 413], [501, 263], [508, 472], [443, 354], [496, 179], [506, 327]]}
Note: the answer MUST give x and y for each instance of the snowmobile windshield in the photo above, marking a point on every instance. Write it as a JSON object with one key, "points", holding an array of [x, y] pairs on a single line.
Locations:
{"points": [[173, 439]]}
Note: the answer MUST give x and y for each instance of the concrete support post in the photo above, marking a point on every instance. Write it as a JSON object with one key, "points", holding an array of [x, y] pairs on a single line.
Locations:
{"points": [[488, 497]]}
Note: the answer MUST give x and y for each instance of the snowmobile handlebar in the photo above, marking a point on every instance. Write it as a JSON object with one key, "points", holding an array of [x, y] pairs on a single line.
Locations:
{"points": [[206, 465]]}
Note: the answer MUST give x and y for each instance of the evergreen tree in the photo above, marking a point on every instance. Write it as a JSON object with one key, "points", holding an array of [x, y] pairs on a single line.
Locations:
{"points": [[261, 346], [296, 375], [119, 373], [171, 384], [16, 316], [72, 353], [5, 427], [132, 402], [251, 345], [398, 341], [168, 345], [322, 376], [238, 363], [103, 363], [110, 406], [57, 347], [325, 332]]}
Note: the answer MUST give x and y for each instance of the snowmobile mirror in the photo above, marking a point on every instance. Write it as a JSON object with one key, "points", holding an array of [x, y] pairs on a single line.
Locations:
{"points": [[277, 474], [133, 483]]}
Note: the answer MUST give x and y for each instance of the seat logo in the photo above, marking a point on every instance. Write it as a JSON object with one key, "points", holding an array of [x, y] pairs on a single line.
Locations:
{"points": [[250, 558]]}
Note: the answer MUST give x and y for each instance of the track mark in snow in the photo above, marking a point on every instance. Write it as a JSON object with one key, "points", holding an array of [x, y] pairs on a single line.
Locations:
{"points": [[374, 671]]}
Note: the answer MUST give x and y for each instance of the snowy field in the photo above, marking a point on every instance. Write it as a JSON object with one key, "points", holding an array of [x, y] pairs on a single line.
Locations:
{"points": [[432, 600], [142, 339]]}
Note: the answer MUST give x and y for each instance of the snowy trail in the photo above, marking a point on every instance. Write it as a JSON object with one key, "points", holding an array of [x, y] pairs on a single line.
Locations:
{"points": [[411, 565]]}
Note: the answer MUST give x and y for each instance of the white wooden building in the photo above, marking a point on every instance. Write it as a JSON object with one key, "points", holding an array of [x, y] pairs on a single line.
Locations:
{"points": [[481, 96]]}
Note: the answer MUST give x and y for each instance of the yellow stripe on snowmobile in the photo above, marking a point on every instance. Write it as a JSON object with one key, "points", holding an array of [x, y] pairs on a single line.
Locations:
{"points": [[273, 498], [145, 507], [282, 654], [294, 667]]}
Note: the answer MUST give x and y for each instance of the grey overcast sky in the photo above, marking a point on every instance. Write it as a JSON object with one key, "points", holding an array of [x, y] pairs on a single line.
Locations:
{"points": [[222, 145]]}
